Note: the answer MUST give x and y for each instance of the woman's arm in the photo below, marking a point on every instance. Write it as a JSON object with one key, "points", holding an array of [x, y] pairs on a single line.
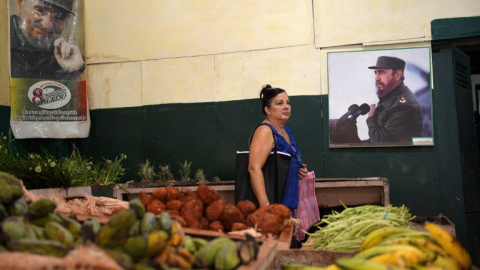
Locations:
{"points": [[260, 148]]}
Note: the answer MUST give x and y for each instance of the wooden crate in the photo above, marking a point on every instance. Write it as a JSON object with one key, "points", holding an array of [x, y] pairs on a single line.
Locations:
{"points": [[328, 191], [268, 247]]}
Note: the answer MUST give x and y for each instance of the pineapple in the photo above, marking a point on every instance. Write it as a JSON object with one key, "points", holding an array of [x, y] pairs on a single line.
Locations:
{"points": [[165, 174], [200, 176], [146, 172], [185, 170]]}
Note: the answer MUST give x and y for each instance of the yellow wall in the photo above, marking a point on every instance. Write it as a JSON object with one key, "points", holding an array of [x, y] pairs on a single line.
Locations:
{"points": [[147, 52], [343, 22]]}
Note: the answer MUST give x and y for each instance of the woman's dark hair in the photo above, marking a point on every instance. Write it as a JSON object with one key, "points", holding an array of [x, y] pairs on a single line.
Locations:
{"points": [[267, 94]]}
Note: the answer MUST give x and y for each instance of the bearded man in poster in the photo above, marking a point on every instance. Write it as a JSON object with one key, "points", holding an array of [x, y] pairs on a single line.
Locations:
{"points": [[37, 48], [397, 117]]}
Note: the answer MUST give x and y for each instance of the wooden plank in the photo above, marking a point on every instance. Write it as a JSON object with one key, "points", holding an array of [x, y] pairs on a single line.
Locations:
{"points": [[265, 259], [318, 258]]}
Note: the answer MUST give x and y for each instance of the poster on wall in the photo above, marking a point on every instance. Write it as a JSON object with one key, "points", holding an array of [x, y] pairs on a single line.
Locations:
{"points": [[380, 98], [47, 69]]}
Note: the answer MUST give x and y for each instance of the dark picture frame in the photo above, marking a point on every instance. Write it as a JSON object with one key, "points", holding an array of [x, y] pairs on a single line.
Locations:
{"points": [[352, 88]]}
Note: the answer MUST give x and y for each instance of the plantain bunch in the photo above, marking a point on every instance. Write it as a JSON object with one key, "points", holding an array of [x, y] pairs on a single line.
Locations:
{"points": [[138, 239], [404, 248], [225, 253], [134, 238], [33, 227]]}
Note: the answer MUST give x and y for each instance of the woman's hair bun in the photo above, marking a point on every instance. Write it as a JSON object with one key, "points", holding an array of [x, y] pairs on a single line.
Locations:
{"points": [[267, 94]]}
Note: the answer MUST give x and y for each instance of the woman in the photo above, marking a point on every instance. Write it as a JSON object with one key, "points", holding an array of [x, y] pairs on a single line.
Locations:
{"points": [[276, 107]]}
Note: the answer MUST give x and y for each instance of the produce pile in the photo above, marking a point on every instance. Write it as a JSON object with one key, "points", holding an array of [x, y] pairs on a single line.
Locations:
{"points": [[344, 231], [133, 237], [223, 253], [205, 209], [403, 248]]}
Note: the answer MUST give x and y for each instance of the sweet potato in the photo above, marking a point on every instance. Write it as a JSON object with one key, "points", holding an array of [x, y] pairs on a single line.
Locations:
{"points": [[172, 193], [238, 226], [265, 223], [187, 192], [173, 212], [185, 199], [156, 206], [145, 198], [216, 226], [179, 219], [230, 215], [174, 205], [213, 211], [246, 207], [207, 194], [192, 212], [160, 193], [280, 211], [204, 223]]}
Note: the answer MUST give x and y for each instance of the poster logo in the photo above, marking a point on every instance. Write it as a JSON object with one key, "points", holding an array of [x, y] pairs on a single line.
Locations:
{"points": [[49, 94]]}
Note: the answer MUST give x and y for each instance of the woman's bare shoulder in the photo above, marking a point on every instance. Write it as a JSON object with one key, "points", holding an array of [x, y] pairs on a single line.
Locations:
{"points": [[263, 131]]}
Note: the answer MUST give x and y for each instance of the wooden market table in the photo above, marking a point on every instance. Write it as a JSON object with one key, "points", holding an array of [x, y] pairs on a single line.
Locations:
{"points": [[330, 192]]}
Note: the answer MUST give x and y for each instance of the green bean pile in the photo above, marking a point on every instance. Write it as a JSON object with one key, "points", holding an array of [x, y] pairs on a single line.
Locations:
{"points": [[344, 231]]}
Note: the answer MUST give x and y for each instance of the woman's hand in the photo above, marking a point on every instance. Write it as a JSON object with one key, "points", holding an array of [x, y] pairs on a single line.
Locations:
{"points": [[302, 172]]}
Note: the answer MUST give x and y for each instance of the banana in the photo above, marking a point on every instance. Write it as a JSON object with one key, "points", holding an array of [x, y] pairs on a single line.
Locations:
{"points": [[113, 233], [41, 221], [298, 266], [37, 230], [148, 223], [332, 267], [362, 264], [157, 241], [71, 224], [164, 222], [206, 255], [38, 246], [450, 244], [17, 207], [378, 235], [56, 232], [424, 243], [189, 244], [136, 247], [177, 235], [141, 266], [247, 250], [5, 192], [446, 262], [40, 208], [3, 212], [90, 229], [14, 184], [30, 232], [138, 207], [135, 230], [123, 259], [403, 257], [13, 227], [175, 260], [227, 257], [379, 250], [199, 242], [186, 255], [162, 258]]}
